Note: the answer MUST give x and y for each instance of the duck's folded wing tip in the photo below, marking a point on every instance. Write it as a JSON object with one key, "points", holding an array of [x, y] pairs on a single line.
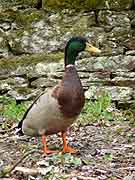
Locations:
{"points": [[18, 131]]}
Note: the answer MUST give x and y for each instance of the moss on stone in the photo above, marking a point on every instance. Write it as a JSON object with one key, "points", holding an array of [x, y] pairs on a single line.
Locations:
{"points": [[22, 18], [86, 4], [8, 15], [70, 4], [28, 60], [32, 3], [3, 41], [12, 3], [27, 17], [120, 4], [23, 90]]}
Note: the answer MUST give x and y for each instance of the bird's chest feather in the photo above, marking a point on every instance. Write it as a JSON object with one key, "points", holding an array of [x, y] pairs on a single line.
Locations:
{"points": [[71, 96], [71, 102]]}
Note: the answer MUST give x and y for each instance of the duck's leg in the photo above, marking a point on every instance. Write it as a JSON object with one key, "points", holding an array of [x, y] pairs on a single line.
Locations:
{"points": [[66, 148], [45, 148]]}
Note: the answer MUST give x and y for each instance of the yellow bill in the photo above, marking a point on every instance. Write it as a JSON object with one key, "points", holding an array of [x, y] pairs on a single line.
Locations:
{"points": [[92, 49]]}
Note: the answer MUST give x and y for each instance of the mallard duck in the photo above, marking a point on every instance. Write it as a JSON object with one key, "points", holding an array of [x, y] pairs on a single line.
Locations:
{"points": [[55, 110]]}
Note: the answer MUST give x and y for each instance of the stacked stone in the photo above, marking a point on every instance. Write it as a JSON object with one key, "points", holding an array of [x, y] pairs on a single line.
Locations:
{"points": [[33, 35]]}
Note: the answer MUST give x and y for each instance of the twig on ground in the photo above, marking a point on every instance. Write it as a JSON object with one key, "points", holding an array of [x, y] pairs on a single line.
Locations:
{"points": [[20, 160], [33, 171], [101, 171], [130, 168], [81, 177], [44, 171], [72, 175], [28, 171]]}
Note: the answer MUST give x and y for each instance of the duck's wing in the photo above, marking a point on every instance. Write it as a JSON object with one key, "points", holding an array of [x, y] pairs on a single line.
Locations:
{"points": [[19, 127]]}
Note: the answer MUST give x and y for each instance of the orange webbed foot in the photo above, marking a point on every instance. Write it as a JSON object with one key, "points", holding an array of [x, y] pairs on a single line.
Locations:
{"points": [[45, 148], [48, 151], [68, 149]]}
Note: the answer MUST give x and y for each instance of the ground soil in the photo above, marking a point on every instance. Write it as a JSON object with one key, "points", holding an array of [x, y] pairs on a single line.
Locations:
{"points": [[104, 152]]}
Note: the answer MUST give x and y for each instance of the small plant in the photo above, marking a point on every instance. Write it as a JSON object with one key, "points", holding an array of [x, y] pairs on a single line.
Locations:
{"points": [[97, 111], [108, 157], [14, 111], [66, 159], [10, 109]]}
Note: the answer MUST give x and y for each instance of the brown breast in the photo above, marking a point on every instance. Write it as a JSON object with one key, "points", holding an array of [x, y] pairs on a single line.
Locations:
{"points": [[70, 93]]}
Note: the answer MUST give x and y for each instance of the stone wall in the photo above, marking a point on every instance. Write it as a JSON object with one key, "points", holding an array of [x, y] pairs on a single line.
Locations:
{"points": [[32, 39]]}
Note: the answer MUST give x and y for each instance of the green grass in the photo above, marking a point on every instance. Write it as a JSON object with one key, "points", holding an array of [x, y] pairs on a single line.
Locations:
{"points": [[102, 111], [95, 111], [98, 111], [11, 111]]}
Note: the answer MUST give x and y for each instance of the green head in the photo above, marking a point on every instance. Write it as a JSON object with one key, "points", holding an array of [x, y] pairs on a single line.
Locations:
{"points": [[76, 45]]}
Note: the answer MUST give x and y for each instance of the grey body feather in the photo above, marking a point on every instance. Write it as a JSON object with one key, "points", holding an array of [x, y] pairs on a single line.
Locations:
{"points": [[44, 117]]}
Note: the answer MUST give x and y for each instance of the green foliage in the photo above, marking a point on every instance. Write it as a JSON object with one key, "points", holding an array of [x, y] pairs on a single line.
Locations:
{"points": [[54, 175], [129, 137], [102, 110], [66, 159], [10, 109], [62, 160], [5, 171], [113, 178], [108, 157], [97, 111]]}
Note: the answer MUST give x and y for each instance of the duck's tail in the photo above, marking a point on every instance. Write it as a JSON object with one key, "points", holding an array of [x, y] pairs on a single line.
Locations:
{"points": [[19, 128]]}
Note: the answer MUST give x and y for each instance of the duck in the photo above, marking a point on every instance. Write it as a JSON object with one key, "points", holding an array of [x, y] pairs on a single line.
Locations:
{"points": [[56, 109]]}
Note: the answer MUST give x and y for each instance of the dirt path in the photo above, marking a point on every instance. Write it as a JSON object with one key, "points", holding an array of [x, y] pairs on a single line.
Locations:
{"points": [[103, 153]]}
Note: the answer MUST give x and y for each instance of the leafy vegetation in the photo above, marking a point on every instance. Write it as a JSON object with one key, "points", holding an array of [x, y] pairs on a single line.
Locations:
{"points": [[102, 110], [66, 160], [108, 157], [10, 110], [97, 110]]}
